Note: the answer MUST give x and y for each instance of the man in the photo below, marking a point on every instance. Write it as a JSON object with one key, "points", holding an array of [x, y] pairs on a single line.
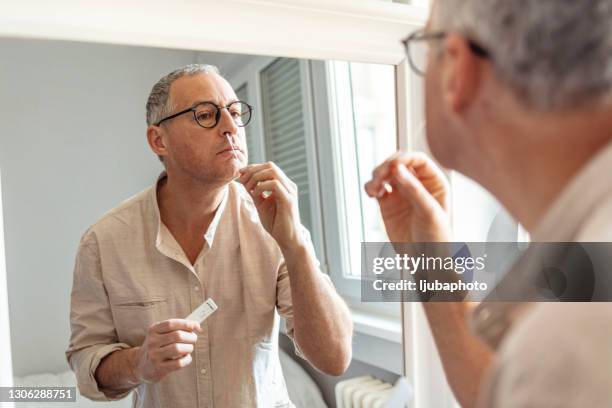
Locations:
{"points": [[517, 98], [194, 235]]}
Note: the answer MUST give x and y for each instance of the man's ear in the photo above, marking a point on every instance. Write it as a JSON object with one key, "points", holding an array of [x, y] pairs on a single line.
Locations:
{"points": [[156, 140], [461, 73]]}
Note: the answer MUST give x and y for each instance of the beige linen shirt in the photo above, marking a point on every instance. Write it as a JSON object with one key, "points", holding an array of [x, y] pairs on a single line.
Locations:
{"points": [[130, 273], [556, 354]]}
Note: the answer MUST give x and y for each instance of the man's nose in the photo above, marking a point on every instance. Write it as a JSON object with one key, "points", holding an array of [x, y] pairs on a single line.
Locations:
{"points": [[226, 123]]}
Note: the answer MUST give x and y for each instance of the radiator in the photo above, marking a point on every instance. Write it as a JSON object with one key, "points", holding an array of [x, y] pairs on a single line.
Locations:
{"points": [[362, 392]]}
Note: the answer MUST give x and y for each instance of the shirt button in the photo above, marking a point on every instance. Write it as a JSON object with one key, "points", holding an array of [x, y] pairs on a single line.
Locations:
{"points": [[196, 288], [203, 371]]}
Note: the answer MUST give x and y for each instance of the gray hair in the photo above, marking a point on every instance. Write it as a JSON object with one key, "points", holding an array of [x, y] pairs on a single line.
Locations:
{"points": [[554, 54], [159, 104]]}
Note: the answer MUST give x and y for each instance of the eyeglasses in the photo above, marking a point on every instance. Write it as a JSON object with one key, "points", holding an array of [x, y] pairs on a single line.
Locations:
{"points": [[207, 114], [416, 48]]}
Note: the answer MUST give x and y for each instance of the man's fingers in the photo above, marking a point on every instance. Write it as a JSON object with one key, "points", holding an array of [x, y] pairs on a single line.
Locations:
{"points": [[272, 173], [380, 176], [262, 172], [382, 170], [426, 168], [275, 186], [376, 189], [171, 325], [247, 172], [175, 350], [173, 365], [417, 162], [251, 168], [412, 189], [178, 336], [370, 189], [261, 175]]}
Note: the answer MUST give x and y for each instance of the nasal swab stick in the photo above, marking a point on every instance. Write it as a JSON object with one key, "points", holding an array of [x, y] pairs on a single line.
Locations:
{"points": [[232, 145]]}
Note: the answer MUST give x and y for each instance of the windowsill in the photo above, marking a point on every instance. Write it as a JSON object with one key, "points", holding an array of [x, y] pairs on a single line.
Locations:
{"points": [[376, 325], [377, 340], [373, 325]]}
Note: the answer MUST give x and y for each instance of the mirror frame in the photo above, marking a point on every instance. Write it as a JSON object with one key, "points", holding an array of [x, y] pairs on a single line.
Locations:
{"points": [[286, 28]]}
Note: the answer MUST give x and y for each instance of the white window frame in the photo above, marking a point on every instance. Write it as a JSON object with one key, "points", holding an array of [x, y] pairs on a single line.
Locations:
{"points": [[333, 186], [422, 363]]}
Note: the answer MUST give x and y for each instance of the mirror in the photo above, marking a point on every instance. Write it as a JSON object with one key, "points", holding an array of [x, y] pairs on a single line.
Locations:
{"points": [[73, 147]]}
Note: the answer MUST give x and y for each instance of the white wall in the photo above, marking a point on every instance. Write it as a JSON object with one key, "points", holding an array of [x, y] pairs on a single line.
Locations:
{"points": [[72, 147]]}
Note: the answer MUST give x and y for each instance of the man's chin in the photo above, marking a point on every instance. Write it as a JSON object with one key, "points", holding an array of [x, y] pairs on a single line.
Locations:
{"points": [[225, 170], [214, 179]]}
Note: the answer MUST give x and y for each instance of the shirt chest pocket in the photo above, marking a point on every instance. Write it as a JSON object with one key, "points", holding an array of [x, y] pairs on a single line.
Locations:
{"points": [[133, 316]]}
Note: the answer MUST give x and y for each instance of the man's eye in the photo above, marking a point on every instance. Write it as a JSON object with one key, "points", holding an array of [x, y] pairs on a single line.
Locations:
{"points": [[204, 115], [236, 114]]}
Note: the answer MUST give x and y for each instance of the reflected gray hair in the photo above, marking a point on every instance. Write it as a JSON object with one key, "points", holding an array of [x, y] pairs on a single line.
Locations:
{"points": [[554, 54], [159, 104]]}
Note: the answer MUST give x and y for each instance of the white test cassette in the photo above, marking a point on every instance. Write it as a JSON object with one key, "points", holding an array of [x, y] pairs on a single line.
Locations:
{"points": [[203, 311]]}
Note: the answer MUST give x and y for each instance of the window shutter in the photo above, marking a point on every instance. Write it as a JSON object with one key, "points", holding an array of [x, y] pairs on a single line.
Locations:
{"points": [[284, 130]]}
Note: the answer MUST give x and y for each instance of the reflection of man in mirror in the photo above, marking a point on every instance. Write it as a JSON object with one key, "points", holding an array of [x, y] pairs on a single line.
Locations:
{"points": [[517, 98], [197, 234]]}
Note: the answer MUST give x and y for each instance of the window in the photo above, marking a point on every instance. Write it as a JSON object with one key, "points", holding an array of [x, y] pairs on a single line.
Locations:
{"points": [[364, 106], [359, 101]]}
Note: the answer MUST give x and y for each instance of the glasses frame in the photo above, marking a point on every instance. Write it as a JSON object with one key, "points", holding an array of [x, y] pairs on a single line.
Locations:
{"points": [[422, 35], [217, 114]]}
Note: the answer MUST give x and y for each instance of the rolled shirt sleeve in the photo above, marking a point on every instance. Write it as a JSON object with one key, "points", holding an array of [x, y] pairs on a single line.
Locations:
{"points": [[93, 334]]}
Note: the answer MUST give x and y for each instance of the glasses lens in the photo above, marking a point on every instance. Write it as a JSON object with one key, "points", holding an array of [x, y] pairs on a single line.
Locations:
{"points": [[206, 115], [241, 113], [417, 52]]}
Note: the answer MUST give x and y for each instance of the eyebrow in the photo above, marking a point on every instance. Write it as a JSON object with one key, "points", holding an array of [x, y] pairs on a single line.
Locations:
{"points": [[196, 103]]}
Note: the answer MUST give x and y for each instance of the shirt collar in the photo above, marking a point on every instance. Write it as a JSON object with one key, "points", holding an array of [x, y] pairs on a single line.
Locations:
{"points": [[158, 223], [209, 236]]}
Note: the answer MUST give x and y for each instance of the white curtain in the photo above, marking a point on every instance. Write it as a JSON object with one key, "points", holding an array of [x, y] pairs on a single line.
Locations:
{"points": [[6, 367]]}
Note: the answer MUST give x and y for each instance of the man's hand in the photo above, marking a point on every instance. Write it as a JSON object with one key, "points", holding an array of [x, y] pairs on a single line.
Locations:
{"points": [[412, 193], [167, 348], [416, 210], [278, 207]]}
